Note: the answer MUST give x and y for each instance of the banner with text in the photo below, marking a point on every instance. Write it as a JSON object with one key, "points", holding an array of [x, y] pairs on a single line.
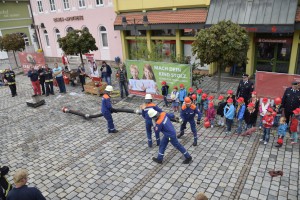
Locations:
{"points": [[31, 59], [147, 76]]}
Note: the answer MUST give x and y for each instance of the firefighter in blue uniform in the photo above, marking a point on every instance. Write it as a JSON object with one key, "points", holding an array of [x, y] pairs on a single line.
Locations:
{"points": [[5, 186], [9, 77], [107, 109], [145, 107], [164, 125], [187, 114]]}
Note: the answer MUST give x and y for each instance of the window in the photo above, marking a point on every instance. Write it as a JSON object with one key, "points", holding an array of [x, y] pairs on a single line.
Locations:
{"points": [[103, 35], [57, 34], [26, 39], [52, 5], [40, 6], [99, 2], [47, 38], [66, 4], [81, 3], [85, 29], [69, 29]]}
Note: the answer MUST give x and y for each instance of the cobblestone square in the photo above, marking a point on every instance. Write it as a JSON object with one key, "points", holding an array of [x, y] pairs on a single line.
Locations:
{"points": [[69, 157]]}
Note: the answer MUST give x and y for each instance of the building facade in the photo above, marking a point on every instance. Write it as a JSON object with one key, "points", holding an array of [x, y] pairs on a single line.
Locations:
{"points": [[173, 23], [55, 18], [15, 17]]}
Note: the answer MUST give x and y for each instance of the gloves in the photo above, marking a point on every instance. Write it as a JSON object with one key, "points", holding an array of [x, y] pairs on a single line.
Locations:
{"points": [[180, 121], [198, 121]]}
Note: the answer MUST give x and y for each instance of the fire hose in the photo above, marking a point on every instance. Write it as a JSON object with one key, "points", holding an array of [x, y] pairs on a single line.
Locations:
{"points": [[114, 110]]}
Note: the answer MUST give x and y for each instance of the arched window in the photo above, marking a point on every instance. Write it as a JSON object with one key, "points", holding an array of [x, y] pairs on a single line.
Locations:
{"points": [[57, 33], [46, 38], [85, 29], [69, 29], [103, 35], [26, 39]]}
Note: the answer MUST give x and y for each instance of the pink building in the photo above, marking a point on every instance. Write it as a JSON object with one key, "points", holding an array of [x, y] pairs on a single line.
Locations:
{"points": [[61, 16]]}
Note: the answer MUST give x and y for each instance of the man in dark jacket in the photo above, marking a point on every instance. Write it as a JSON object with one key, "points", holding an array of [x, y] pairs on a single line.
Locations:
{"points": [[121, 75], [34, 77], [245, 88], [9, 77], [106, 72], [42, 78], [48, 80]]}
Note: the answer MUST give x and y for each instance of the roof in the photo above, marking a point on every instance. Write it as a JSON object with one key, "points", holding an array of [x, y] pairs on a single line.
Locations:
{"points": [[187, 16], [253, 12]]}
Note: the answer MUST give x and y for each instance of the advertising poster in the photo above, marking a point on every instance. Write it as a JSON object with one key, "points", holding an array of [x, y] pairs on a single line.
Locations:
{"points": [[31, 59], [146, 76], [89, 56]]}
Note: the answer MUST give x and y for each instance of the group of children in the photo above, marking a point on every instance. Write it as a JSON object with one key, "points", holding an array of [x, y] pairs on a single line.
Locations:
{"points": [[224, 110]]}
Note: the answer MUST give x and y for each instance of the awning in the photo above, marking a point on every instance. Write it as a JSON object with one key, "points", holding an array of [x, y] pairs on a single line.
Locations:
{"points": [[258, 15], [177, 19]]}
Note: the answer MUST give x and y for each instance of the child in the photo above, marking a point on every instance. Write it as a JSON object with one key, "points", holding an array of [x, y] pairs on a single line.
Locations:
{"points": [[199, 99], [263, 110], [267, 122], [250, 116], [211, 113], [232, 96], [254, 100], [191, 92], [194, 99], [204, 103], [175, 99], [229, 114], [220, 111], [281, 131], [278, 109], [240, 111], [165, 92], [182, 94], [211, 99], [294, 126]]}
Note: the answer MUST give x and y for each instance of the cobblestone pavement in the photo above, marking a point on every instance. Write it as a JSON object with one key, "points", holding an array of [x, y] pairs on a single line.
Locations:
{"points": [[72, 158]]}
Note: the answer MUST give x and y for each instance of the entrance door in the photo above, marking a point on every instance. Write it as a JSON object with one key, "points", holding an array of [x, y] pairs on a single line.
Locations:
{"points": [[273, 55]]}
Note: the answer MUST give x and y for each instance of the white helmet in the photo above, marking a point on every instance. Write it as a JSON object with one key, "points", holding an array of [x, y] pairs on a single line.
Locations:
{"points": [[109, 88], [152, 113], [148, 96]]}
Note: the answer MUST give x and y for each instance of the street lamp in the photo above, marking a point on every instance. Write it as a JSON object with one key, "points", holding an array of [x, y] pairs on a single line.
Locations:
{"points": [[134, 23], [37, 29]]}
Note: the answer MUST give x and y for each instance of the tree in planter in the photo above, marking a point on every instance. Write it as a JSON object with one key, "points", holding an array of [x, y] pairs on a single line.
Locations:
{"points": [[78, 42], [12, 42], [225, 43]]}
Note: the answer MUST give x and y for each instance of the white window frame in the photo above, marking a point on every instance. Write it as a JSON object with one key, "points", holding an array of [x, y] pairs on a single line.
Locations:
{"points": [[81, 3], [101, 37], [57, 34], [47, 41], [99, 3], [40, 6], [66, 2], [52, 5]]}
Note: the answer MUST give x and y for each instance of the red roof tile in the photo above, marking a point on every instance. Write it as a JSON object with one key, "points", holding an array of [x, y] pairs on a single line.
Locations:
{"points": [[187, 16], [297, 19]]}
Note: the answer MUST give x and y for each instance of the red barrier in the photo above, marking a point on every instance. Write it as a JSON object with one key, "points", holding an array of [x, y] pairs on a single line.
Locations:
{"points": [[272, 85]]}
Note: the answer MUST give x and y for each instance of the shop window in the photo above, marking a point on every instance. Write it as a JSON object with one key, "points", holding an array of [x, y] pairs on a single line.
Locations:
{"points": [[40, 6], [99, 2], [66, 4], [46, 38], [189, 32], [103, 35], [139, 33], [166, 48], [52, 5], [138, 50], [81, 3], [164, 32]]}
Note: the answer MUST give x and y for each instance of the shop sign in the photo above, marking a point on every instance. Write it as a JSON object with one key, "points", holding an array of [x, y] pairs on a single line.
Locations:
{"points": [[31, 59], [74, 18], [274, 40]]}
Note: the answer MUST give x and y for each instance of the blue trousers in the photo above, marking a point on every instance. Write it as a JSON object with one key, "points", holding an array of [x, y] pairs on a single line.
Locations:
{"points": [[229, 123], [166, 101], [240, 126], [110, 122], [149, 125], [164, 143], [61, 84], [193, 127], [266, 135]]}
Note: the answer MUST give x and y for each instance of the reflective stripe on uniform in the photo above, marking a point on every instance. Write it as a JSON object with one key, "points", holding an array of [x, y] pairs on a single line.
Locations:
{"points": [[11, 83], [160, 154], [51, 80], [165, 121]]}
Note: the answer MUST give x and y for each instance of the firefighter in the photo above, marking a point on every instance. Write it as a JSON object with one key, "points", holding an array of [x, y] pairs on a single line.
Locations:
{"points": [[164, 125], [187, 114], [48, 80], [5, 186], [9, 77], [107, 109], [145, 107]]}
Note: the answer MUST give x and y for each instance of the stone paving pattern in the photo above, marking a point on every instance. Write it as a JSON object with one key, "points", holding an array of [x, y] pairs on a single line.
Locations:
{"points": [[69, 157]]}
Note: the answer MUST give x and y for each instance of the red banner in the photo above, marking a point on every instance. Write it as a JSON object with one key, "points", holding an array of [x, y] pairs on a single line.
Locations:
{"points": [[272, 85], [31, 59]]}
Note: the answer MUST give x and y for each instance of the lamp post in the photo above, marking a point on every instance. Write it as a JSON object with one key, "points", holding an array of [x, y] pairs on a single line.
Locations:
{"points": [[37, 30], [134, 23]]}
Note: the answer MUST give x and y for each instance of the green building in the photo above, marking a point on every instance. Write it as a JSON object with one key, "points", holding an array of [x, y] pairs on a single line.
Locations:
{"points": [[15, 17]]}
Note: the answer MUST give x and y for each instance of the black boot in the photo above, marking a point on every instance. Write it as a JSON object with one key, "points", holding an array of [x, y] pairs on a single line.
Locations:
{"points": [[187, 160], [180, 135], [195, 143], [156, 160], [278, 145], [114, 131]]}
